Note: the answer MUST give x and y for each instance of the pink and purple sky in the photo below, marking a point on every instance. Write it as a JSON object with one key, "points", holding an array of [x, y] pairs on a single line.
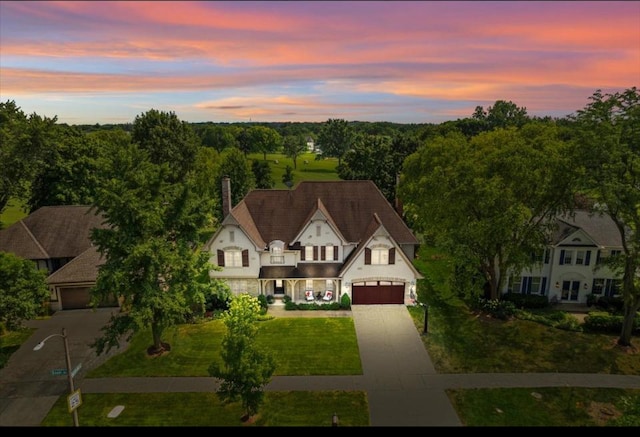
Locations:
{"points": [[405, 62]]}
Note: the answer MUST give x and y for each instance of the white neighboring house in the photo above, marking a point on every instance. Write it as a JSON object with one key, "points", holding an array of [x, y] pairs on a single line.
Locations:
{"points": [[338, 236], [572, 266]]}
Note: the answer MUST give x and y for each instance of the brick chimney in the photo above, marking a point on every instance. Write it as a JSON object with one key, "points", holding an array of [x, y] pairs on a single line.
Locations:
{"points": [[226, 196]]}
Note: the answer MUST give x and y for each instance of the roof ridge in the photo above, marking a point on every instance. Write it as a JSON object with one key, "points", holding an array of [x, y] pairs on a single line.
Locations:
{"points": [[26, 228]]}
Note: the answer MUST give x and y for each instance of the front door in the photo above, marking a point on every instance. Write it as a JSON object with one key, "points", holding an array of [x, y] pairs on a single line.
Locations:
{"points": [[278, 287], [570, 290]]}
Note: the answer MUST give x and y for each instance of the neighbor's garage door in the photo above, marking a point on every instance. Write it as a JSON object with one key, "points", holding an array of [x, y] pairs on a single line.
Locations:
{"points": [[377, 292], [74, 298]]}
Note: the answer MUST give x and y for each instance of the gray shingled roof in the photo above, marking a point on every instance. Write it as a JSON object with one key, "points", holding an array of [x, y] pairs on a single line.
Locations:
{"points": [[599, 227], [83, 268], [51, 232], [280, 214]]}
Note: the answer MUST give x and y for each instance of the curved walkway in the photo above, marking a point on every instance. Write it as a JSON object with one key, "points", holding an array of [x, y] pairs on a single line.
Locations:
{"points": [[402, 386]]}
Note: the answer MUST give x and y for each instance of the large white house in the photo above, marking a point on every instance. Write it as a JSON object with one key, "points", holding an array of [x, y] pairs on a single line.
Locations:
{"points": [[572, 266], [320, 239]]}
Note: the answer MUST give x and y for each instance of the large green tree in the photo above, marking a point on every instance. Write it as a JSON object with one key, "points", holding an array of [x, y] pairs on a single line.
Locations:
{"points": [[23, 290], [23, 139], [294, 146], [246, 369], [335, 138], [489, 201], [149, 198], [262, 174], [234, 166], [378, 158], [66, 175], [609, 146], [168, 140], [264, 140]]}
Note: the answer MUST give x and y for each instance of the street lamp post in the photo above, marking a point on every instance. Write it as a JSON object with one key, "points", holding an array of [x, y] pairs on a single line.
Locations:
{"points": [[68, 360]]}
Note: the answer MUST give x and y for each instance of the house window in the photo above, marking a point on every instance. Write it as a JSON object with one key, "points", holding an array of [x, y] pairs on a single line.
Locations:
{"points": [[531, 285], [232, 236], [328, 252], [308, 252], [233, 258], [277, 255], [238, 286], [318, 230], [598, 286], [566, 257], [308, 284], [328, 284], [516, 284], [580, 257], [380, 256]]}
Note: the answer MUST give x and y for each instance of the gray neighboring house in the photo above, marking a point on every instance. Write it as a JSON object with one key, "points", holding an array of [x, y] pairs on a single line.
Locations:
{"points": [[57, 239]]}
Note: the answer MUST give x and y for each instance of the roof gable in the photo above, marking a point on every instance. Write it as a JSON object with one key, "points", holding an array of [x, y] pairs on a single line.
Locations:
{"points": [[597, 227]]}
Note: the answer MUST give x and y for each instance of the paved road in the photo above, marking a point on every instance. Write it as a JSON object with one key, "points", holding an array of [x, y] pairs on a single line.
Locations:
{"points": [[402, 386]]}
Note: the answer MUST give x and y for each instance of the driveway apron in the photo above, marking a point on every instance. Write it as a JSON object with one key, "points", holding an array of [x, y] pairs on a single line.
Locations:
{"points": [[397, 370]]}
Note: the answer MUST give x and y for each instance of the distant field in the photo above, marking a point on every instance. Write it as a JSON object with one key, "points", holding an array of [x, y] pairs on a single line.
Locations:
{"points": [[308, 168]]}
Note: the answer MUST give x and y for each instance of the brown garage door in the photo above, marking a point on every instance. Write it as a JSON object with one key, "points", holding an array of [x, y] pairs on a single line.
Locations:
{"points": [[74, 298], [369, 294]]}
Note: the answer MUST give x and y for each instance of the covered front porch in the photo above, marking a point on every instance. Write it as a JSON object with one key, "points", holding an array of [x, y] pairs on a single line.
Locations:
{"points": [[305, 283]]}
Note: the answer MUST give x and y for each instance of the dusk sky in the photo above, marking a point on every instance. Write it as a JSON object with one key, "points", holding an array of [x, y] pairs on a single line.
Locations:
{"points": [[405, 62]]}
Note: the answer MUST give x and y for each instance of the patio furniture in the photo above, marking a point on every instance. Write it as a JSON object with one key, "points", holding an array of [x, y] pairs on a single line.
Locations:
{"points": [[308, 295], [328, 295]]}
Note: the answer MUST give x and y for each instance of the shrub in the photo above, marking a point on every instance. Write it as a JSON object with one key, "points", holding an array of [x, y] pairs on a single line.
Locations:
{"points": [[607, 323], [499, 309], [345, 302], [612, 304], [526, 300], [264, 305], [270, 298], [555, 319]]}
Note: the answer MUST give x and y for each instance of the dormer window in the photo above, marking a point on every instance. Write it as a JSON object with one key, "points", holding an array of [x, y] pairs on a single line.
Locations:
{"points": [[276, 248]]}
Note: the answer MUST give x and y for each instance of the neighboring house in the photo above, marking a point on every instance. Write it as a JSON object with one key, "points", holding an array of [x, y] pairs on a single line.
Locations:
{"points": [[341, 237], [572, 266], [311, 145], [57, 239]]}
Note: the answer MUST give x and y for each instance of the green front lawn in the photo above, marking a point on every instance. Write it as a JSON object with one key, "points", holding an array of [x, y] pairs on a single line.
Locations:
{"points": [[301, 346], [301, 408]]}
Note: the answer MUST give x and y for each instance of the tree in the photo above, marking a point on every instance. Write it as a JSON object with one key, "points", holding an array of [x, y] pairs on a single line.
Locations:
{"points": [[378, 158], [262, 174], [23, 290], [609, 147], [502, 114], [489, 202], [264, 139], [245, 369], [154, 213], [234, 166], [335, 138], [219, 138], [66, 175], [294, 146], [22, 142], [167, 140], [287, 177]]}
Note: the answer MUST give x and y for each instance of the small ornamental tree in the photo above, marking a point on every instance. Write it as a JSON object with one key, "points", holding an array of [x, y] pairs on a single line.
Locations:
{"points": [[245, 369]]}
